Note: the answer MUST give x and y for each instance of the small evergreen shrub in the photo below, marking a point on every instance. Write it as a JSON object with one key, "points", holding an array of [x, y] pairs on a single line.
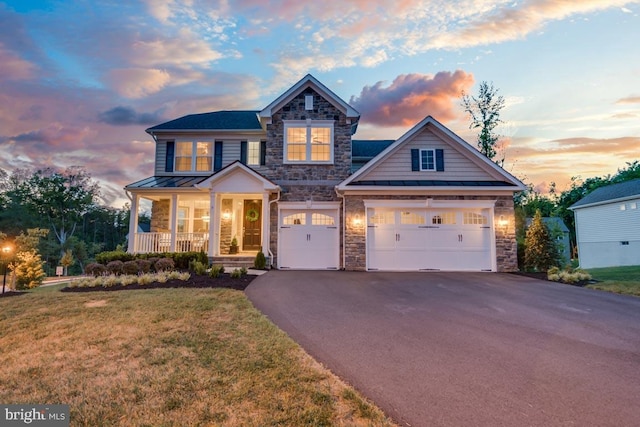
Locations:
{"points": [[236, 273], [130, 267], [28, 270], [115, 267], [260, 262], [197, 267], [165, 264], [216, 271], [95, 269], [243, 271], [108, 256]]}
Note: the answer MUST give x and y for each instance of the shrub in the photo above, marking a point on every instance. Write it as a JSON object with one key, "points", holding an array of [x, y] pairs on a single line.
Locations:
{"points": [[540, 251], [131, 268], [144, 265], [216, 271], [165, 264], [236, 273], [569, 275], [108, 256], [28, 270], [197, 267], [94, 269], [115, 267], [260, 262], [243, 271], [152, 261]]}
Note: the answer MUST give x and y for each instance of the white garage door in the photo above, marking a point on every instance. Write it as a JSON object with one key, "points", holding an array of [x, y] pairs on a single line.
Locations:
{"points": [[429, 239], [309, 239]]}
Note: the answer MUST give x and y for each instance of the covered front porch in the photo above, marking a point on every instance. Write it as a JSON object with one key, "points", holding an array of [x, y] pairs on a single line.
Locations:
{"points": [[224, 215]]}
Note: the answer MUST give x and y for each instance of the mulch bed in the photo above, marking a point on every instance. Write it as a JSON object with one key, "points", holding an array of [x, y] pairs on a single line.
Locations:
{"points": [[8, 294], [195, 281]]}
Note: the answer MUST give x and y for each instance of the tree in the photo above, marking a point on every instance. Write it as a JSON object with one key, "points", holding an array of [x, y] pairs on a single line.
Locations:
{"points": [[28, 270], [67, 260], [540, 249], [485, 115], [62, 198]]}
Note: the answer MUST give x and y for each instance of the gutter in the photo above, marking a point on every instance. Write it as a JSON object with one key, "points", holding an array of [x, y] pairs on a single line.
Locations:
{"points": [[344, 227], [277, 199]]}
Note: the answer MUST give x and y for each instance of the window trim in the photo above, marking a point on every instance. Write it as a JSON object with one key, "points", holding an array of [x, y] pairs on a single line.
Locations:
{"points": [[433, 154], [308, 124], [194, 156]]}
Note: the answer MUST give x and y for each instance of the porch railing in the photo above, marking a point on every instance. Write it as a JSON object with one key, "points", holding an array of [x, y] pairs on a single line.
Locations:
{"points": [[161, 242]]}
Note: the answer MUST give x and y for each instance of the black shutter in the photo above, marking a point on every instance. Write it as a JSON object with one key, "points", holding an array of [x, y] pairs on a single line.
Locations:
{"points": [[243, 152], [415, 159], [217, 156], [263, 153], [440, 160], [168, 164]]}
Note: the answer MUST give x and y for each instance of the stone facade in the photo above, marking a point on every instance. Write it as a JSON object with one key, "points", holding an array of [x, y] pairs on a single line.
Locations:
{"points": [[160, 214], [225, 227]]}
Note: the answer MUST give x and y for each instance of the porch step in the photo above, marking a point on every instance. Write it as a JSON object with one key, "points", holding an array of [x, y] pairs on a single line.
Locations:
{"points": [[232, 262]]}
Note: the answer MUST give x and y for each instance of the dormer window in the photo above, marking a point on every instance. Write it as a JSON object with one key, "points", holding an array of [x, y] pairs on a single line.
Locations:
{"points": [[308, 141], [193, 156]]}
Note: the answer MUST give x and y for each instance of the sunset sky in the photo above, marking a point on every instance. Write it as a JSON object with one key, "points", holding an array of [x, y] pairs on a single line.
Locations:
{"points": [[81, 80]]}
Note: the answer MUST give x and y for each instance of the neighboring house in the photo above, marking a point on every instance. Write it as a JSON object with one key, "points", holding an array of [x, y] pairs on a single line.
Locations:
{"points": [[608, 226], [560, 234], [289, 180]]}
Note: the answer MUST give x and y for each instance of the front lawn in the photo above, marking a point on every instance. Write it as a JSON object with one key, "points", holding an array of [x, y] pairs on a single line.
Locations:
{"points": [[166, 357], [621, 280]]}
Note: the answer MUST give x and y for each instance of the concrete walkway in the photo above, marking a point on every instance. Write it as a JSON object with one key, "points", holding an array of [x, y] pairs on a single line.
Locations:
{"points": [[467, 349]]}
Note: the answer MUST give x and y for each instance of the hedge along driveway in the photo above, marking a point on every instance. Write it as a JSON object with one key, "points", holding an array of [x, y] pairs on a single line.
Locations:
{"points": [[466, 348]]}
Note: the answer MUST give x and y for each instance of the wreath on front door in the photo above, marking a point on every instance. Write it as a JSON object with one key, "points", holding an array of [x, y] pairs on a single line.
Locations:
{"points": [[252, 215]]}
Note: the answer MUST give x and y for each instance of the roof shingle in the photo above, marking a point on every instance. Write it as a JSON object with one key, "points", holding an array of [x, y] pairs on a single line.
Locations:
{"points": [[610, 192]]}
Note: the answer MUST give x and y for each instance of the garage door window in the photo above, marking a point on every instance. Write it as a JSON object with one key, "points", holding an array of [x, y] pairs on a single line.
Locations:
{"points": [[295, 219], [447, 218], [322, 219], [408, 217], [474, 218], [380, 218]]}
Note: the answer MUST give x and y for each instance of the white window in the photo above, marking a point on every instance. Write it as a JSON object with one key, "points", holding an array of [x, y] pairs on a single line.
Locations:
{"points": [[623, 207], [633, 205], [322, 219], [253, 153], [193, 156], [447, 218], [295, 219], [474, 218], [309, 141], [427, 160], [408, 217]]}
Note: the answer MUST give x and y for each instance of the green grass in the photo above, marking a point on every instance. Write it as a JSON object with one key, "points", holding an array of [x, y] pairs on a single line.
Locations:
{"points": [[166, 357], [620, 280]]}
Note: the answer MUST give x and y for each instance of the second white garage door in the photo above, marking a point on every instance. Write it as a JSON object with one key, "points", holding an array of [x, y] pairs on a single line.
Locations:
{"points": [[308, 239], [429, 239]]}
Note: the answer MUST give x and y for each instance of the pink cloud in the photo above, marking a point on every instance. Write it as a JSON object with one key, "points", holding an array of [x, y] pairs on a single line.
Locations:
{"points": [[411, 97], [14, 67], [629, 100]]}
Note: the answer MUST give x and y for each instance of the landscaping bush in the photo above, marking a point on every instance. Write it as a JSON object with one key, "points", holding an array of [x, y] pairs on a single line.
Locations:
{"points": [[152, 262], [95, 269], [28, 270], [198, 267], [568, 275], [260, 262], [106, 257], [216, 271], [115, 267], [144, 265], [130, 267], [166, 264]]}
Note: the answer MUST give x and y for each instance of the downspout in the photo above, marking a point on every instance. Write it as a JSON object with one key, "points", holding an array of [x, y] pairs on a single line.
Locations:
{"points": [[277, 199], [344, 228]]}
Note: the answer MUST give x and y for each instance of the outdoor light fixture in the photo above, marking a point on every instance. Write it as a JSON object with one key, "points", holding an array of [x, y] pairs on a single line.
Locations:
{"points": [[503, 222], [357, 221], [226, 215], [6, 250]]}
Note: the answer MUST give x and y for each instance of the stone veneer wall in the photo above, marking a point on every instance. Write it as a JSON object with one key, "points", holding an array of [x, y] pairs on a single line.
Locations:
{"points": [[160, 214], [225, 227], [506, 246]]}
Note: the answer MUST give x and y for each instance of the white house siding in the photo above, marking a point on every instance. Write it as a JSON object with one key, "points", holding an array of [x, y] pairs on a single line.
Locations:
{"points": [[457, 167], [602, 232], [230, 152], [161, 157]]}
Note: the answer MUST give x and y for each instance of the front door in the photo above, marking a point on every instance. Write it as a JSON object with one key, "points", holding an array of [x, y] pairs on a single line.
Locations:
{"points": [[252, 225]]}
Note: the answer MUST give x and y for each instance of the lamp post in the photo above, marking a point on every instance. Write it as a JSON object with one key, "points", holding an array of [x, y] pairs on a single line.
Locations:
{"points": [[5, 252]]}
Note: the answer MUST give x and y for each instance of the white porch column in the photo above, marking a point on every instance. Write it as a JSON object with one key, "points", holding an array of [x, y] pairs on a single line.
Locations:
{"points": [[173, 221], [133, 224], [212, 223], [266, 224]]}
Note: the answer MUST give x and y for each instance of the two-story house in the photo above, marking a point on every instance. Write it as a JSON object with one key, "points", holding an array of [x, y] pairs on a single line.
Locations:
{"points": [[289, 180]]}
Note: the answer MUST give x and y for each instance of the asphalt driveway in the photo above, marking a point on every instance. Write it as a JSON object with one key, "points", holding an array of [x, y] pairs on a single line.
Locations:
{"points": [[466, 349]]}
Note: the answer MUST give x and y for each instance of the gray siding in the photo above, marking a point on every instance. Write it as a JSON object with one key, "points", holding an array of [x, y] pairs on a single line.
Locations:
{"points": [[230, 152], [161, 154], [456, 166]]}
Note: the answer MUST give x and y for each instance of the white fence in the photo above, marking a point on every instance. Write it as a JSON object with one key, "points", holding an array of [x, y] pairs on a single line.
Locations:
{"points": [[161, 242]]}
